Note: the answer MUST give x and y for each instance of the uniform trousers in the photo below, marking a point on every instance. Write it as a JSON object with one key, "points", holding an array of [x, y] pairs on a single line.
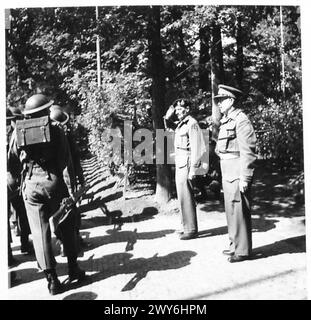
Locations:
{"points": [[43, 193], [186, 200], [20, 210], [237, 206]]}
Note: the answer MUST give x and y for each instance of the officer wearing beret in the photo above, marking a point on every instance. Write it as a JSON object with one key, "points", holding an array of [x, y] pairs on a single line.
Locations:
{"points": [[189, 150], [48, 175], [236, 149]]}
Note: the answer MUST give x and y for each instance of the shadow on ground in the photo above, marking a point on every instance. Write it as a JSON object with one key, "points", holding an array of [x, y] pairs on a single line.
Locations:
{"points": [[115, 264], [258, 225], [290, 245], [128, 237], [116, 217]]}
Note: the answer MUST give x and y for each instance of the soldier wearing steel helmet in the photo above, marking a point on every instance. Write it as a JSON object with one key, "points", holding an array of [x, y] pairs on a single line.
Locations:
{"points": [[60, 118], [236, 148], [48, 172]]}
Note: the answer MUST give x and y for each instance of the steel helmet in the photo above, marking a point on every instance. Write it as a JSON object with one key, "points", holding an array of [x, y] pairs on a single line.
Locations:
{"points": [[58, 115], [37, 103]]}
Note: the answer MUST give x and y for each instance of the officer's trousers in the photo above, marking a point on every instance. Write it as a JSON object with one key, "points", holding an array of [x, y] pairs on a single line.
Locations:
{"points": [[186, 200], [42, 194], [237, 206]]}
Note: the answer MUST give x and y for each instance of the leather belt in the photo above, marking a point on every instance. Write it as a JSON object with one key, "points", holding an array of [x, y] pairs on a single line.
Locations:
{"points": [[228, 156]]}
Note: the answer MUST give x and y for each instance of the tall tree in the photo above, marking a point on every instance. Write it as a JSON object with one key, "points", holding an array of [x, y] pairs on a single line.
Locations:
{"points": [[204, 59], [163, 188], [239, 51], [217, 73]]}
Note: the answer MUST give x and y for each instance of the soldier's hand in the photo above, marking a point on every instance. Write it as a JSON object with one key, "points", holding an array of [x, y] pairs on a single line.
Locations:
{"points": [[170, 111], [191, 175], [243, 186]]}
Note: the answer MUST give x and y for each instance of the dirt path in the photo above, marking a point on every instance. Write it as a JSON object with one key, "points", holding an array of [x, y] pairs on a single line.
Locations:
{"points": [[134, 252]]}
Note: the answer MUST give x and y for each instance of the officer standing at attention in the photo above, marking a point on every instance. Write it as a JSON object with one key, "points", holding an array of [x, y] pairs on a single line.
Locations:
{"points": [[189, 149], [48, 175], [236, 150]]}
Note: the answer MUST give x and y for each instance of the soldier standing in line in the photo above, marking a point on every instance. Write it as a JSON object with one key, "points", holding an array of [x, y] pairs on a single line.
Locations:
{"points": [[60, 118], [47, 176], [236, 149], [15, 198], [189, 150]]}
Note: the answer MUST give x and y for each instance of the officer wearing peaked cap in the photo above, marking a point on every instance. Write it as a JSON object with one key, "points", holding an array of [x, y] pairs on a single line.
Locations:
{"points": [[236, 149]]}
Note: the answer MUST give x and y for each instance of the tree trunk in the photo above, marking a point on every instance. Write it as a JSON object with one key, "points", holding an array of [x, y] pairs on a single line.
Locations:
{"points": [[204, 59], [163, 187], [217, 74], [239, 53]]}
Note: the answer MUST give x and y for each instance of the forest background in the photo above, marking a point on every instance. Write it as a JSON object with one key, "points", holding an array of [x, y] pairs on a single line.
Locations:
{"points": [[151, 55]]}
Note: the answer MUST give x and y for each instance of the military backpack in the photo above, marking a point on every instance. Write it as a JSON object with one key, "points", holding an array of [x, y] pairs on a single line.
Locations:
{"points": [[33, 131]]}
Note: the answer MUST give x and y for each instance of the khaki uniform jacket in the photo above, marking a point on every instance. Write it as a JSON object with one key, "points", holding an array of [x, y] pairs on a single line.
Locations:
{"points": [[190, 146], [236, 141], [62, 161]]}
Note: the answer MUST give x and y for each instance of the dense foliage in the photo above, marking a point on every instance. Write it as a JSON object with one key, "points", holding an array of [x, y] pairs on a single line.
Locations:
{"points": [[53, 50]]}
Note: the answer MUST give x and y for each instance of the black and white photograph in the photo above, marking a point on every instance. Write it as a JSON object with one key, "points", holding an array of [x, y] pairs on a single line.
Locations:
{"points": [[155, 151]]}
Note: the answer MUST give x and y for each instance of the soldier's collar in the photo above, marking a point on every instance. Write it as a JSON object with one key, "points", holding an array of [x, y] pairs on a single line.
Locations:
{"points": [[233, 114], [184, 120]]}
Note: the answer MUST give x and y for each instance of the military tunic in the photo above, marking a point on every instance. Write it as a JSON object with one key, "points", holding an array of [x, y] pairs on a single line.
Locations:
{"points": [[236, 149], [43, 188], [189, 149]]}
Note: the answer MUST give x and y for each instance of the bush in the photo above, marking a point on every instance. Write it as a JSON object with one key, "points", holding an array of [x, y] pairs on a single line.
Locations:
{"points": [[125, 95], [280, 131]]}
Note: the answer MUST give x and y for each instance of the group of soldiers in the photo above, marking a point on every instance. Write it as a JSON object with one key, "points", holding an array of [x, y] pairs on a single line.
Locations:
{"points": [[41, 174], [235, 147]]}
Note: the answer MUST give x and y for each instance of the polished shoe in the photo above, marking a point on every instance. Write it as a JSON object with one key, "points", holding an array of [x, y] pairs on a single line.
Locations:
{"points": [[188, 236], [236, 258], [54, 285], [228, 252], [75, 273]]}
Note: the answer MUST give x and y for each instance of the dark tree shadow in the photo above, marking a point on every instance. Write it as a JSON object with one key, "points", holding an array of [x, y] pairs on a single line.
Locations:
{"points": [[82, 295], [115, 217], [112, 265], [290, 245], [100, 202], [258, 225], [95, 182], [272, 195], [89, 196], [128, 237], [121, 263]]}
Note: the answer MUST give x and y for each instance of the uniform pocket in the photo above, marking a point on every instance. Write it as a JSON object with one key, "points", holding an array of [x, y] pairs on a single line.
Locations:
{"points": [[232, 190]]}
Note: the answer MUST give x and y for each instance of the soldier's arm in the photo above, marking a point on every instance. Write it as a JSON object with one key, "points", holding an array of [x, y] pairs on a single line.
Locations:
{"points": [[195, 140], [14, 166], [247, 143], [13, 160]]}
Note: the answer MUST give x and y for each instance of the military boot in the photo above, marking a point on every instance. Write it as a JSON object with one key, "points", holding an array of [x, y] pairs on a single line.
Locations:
{"points": [[54, 285], [74, 271]]}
